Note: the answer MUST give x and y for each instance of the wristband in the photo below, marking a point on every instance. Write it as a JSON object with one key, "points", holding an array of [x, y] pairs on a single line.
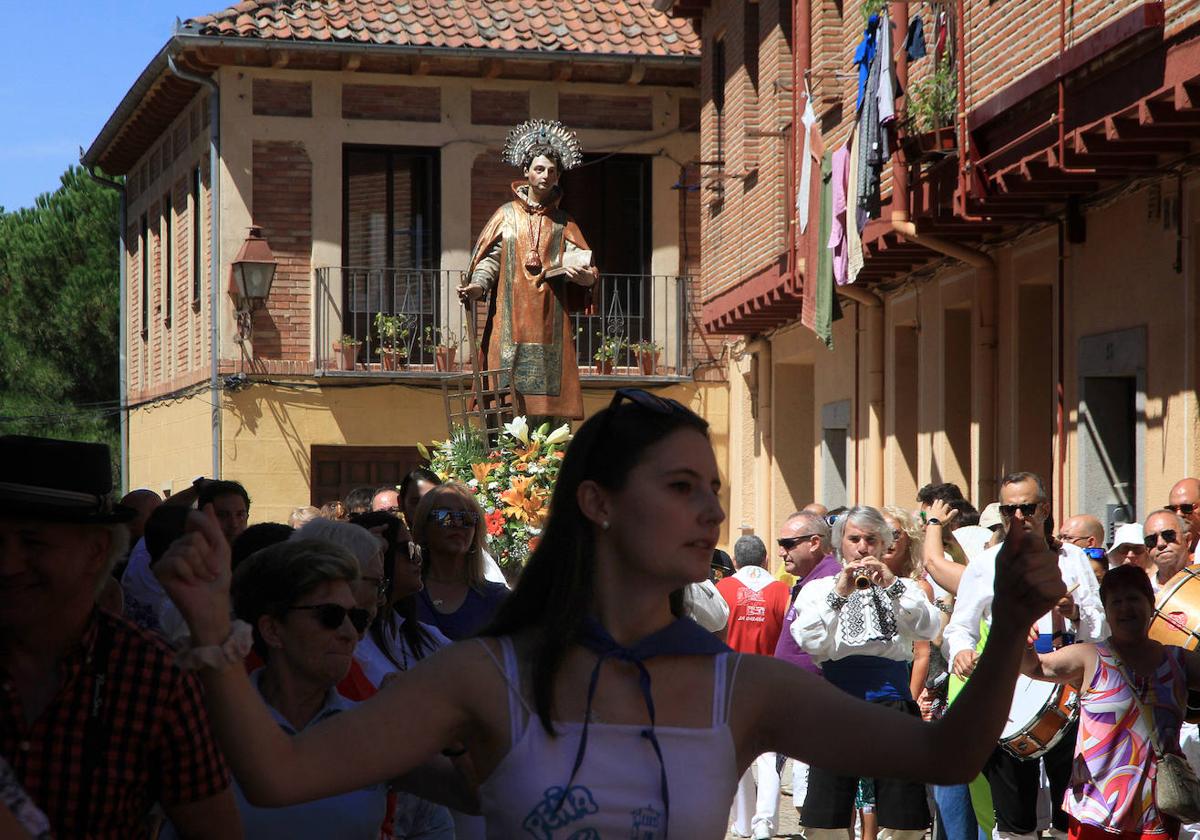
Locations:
{"points": [[218, 657]]}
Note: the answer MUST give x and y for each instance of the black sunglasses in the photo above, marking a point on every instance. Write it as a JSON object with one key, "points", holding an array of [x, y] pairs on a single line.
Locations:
{"points": [[648, 401], [1186, 509], [447, 518], [331, 616], [1168, 535], [788, 543], [1027, 510]]}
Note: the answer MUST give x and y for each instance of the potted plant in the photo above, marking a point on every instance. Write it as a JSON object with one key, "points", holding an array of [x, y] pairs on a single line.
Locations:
{"points": [[393, 349], [932, 104], [443, 343], [648, 352], [606, 353], [345, 351]]}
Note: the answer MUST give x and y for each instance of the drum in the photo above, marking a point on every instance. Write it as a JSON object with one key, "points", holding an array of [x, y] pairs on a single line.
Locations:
{"points": [[1177, 621], [1040, 714]]}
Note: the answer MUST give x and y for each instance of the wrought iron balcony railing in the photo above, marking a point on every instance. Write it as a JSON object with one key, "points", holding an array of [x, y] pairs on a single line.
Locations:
{"points": [[398, 320]]}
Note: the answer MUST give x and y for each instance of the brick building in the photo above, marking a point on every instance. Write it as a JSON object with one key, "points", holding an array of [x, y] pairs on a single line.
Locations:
{"points": [[1029, 294], [363, 139]]}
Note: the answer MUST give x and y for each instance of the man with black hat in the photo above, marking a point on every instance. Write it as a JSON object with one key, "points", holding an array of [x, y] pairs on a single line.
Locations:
{"points": [[95, 718]]}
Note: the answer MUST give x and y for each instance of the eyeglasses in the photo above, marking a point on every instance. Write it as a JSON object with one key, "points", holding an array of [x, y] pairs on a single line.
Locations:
{"points": [[447, 518], [381, 584], [788, 543], [1070, 539], [1027, 510], [896, 532], [1185, 509], [331, 616], [1168, 536]]}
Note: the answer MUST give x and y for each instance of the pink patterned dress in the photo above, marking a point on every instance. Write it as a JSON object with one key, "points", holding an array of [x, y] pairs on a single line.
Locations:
{"points": [[1112, 779]]}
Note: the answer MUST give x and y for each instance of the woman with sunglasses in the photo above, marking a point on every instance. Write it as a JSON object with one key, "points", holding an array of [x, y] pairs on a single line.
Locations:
{"points": [[589, 707], [457, 598], [366, 548], [298, 598]]}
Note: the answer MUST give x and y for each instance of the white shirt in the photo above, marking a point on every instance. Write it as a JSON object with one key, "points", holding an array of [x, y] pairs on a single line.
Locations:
{"points": [[705, 606], [975, 592], [872, 622], [376, 665]]}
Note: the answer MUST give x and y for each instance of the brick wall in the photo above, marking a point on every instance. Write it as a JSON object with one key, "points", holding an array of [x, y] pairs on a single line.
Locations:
{"points": [[392, 102], [279, 98], [591, 110], [744, 209], [499, 107], [282, 206]]}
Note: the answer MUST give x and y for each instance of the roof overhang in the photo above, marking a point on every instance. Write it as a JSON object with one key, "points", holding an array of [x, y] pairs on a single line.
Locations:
{"points": [[158, 96]]}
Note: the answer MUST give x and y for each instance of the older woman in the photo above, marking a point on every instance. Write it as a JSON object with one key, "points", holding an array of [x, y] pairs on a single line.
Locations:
{"points": [[297, 596], [579, 707], [371, 585], [449, 527], [860, 627], [1111, 790]]}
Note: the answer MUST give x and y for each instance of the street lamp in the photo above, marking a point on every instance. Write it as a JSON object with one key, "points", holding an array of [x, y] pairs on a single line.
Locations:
{"points": [[250, 278]]}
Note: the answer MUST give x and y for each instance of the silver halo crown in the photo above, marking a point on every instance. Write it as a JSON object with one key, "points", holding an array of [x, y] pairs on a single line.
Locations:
{"points": [[538, 132]]}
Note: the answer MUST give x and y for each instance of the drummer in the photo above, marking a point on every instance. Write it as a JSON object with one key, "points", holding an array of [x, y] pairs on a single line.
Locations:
{"points": [[1166, 537], [1110, 760], [1014, 783]]}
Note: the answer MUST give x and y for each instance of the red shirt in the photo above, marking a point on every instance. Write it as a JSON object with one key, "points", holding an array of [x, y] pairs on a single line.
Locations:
{"points": [[150, 736], [755, 611]]}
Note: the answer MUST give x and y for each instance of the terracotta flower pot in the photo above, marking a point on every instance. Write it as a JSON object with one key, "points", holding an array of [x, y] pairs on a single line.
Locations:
{"points": [[604, 367], [444, 358], [648, 362], [345, 355], [390, 360]]}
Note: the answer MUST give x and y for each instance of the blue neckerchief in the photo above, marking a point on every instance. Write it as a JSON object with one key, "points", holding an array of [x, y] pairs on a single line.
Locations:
{"points": [[863, 57], [682, 637]]}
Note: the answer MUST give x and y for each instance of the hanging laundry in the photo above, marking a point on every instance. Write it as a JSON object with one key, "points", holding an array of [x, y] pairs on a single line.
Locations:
{"points": [[914, 42], [836, 210], [871, 139], [817, 310], [863, 56], [808, 119], [887, 87], [854, 254]]}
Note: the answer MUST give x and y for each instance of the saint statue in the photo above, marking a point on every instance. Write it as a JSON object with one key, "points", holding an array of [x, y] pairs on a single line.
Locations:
{"points": [[536, 265]]}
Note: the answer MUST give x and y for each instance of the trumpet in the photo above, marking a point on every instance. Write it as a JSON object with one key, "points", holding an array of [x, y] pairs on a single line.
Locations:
{"points": [[862, 581]]}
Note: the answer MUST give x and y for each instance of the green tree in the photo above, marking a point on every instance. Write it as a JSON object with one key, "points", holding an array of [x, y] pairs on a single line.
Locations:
{"points": [[59, 299]]}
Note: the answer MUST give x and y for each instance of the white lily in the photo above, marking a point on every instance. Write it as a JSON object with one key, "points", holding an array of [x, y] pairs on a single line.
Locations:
{"points": [[518, 428], [560, 434]]}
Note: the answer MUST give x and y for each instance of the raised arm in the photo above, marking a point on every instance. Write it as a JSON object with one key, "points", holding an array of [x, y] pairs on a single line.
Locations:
{"points": [[855, 738], [412, 719], [946, 573], [1068, 665]]}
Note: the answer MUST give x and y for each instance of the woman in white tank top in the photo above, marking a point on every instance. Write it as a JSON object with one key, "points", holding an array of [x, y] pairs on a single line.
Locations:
{"points": [[588, 709]]}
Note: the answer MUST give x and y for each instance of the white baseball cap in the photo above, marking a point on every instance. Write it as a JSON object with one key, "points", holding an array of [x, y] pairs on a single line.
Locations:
{"points": [[1130, 533], [990, 517]]}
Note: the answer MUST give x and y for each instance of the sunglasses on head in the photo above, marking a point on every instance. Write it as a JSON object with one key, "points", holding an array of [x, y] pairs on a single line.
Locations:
{"points": [[648, 401], [1028, 509], [331, 616], [447, 518], [1186, 509], [1168, 536]]}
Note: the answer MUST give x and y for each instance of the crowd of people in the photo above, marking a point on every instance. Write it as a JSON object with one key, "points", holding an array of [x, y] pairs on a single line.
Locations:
{"points": [[365, 670]]}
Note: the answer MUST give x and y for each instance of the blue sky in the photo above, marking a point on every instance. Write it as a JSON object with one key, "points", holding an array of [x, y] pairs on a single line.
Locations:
{"points": [[62, 73]]}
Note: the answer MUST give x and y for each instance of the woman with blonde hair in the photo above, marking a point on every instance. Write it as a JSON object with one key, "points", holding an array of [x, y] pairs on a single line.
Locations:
{"points": [[449, 527]]}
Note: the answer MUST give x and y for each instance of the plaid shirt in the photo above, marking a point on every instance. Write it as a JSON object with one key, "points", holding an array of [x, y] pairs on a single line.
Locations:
{"points": [[151, 722]]}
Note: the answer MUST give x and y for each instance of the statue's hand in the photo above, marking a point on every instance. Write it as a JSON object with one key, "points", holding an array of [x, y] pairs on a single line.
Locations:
{"points": [[583, 275], [469, 293]]}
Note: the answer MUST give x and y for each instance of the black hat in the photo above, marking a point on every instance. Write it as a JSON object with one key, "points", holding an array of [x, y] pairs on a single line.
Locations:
{"points": [[58, 480]]}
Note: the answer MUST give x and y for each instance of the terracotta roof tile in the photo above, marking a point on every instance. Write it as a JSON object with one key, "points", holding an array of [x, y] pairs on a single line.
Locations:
{"points": [[612, 27]]}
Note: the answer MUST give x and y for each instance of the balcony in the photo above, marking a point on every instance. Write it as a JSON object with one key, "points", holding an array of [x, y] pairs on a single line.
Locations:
{"points": [[391, 321]]}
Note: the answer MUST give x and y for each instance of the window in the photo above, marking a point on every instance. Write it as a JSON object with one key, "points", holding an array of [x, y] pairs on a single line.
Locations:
{"points": [[786, 9], [168, 268], [197, 245], [750, 40], [145, 276], [390, 237]]}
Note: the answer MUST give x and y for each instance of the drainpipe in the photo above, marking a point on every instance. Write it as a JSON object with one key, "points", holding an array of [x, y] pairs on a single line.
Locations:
{"points": [[1060, 388], [123, 326], [214, 215], [872, 444]]}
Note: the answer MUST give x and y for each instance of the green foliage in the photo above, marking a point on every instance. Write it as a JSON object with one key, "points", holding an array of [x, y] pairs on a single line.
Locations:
{"points": [[465, 446], [873, 7], [59, 299], [933, 100]]}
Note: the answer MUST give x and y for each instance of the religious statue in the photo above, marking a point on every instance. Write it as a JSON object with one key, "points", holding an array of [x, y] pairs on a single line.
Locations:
{"points": [[538, 268]]}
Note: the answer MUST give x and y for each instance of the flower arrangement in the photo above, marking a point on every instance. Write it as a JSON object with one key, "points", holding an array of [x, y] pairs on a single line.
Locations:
{"points": [[512, 481]]}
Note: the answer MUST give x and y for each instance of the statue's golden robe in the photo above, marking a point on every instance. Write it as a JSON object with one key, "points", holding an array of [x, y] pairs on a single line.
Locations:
{"points": [[528, 328]]}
